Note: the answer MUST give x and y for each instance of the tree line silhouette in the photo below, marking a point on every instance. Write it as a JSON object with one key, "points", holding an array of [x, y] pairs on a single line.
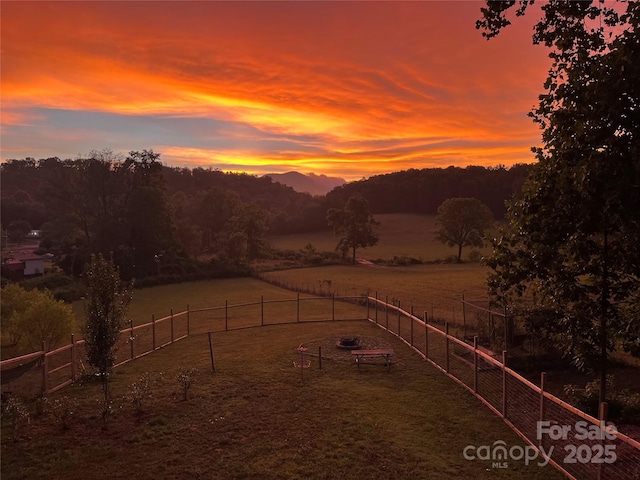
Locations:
{"points": [[155, 218]]}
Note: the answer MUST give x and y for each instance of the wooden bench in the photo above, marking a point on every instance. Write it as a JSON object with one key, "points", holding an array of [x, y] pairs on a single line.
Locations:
{"points": [[360, 355]]}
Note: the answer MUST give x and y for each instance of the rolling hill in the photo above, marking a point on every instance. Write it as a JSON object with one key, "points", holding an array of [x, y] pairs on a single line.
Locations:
{"points": [[311, 183]]}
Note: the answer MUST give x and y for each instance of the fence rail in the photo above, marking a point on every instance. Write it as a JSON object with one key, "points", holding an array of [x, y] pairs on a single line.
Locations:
{"points": [[525, 407]]}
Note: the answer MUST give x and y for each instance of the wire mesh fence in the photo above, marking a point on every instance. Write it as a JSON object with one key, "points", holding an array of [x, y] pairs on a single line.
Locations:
{"points": [[579, 445]]}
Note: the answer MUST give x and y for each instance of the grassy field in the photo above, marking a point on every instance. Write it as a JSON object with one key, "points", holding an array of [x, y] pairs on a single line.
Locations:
{"points": [[160, 300], [401, 235], [426, 287], [256, 418], [436, 288]]}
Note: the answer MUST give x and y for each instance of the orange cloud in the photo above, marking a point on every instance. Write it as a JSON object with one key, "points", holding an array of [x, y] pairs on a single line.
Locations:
{"points": [[359, 88]]}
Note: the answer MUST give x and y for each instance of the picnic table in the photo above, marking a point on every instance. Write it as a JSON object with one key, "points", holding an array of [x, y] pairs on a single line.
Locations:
{"points": [[360, 355]]}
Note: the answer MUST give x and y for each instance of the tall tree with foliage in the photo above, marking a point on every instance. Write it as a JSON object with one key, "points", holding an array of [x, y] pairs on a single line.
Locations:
{"points": [[355, 226], [44, 319], [574, 236], [214, 210], [147, 214], [13, 300], [32, 317], [463, 222], [250, 220], [106, 306]]}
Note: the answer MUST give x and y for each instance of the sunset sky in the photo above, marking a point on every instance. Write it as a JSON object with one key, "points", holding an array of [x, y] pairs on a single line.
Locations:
{"points": [[349, 89]]}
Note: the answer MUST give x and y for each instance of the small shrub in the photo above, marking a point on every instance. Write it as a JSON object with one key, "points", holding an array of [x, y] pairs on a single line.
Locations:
{"points": [[186, 377], [50, 282], [624, 406], [41, 405], [62, 286], [106, 409], [474, 256], [404, 261], [16, 415], [451, 259], [63, 409], [138, 392]]}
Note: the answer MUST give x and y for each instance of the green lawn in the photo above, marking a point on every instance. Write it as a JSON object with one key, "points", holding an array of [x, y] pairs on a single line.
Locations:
{"points": [[255, 418]]}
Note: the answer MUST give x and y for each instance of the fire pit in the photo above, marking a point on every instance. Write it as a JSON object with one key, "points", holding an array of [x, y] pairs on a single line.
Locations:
{"points": [[349, 343]]}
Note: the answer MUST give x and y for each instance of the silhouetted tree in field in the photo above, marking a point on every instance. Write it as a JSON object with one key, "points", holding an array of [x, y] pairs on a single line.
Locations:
{"points": [[355, 226], [463, 222]]}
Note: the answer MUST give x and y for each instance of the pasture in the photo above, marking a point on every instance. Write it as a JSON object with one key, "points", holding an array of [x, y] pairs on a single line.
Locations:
{"points": [[401, 235], [256, 418], [437, 287]]}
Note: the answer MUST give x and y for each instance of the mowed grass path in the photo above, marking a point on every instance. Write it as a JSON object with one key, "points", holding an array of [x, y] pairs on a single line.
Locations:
{"points": [[255, 419]]}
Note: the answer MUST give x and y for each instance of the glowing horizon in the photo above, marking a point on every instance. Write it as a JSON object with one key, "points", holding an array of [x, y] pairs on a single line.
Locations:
{"points": [[344, 89]]}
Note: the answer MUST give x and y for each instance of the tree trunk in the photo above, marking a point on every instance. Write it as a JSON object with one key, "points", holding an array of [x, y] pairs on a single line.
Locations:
{"points": [[603, 320], [459, 253], [353, 258], [105, 391]]}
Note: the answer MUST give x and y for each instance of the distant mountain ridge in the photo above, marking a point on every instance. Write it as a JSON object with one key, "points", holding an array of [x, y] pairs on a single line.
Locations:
{"points": [[310, 183]]}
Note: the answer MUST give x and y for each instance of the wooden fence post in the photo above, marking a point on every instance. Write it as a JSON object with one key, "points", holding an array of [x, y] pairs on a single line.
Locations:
{"points": [[411, 319], [153, 330], [74, 355], [507, 329], [504, 383], [386, 309], [319, 358], [213, 365], [376, 308], [262, 310], [399, 318], [504, 331], [298, 307], [475, 364], [333, 307], [172, 325], [131, 339], [464, 320], [446, 332], [45, 369], [426, 336], [543, 380], [188, 320], [368, 313], [226, 315]]}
